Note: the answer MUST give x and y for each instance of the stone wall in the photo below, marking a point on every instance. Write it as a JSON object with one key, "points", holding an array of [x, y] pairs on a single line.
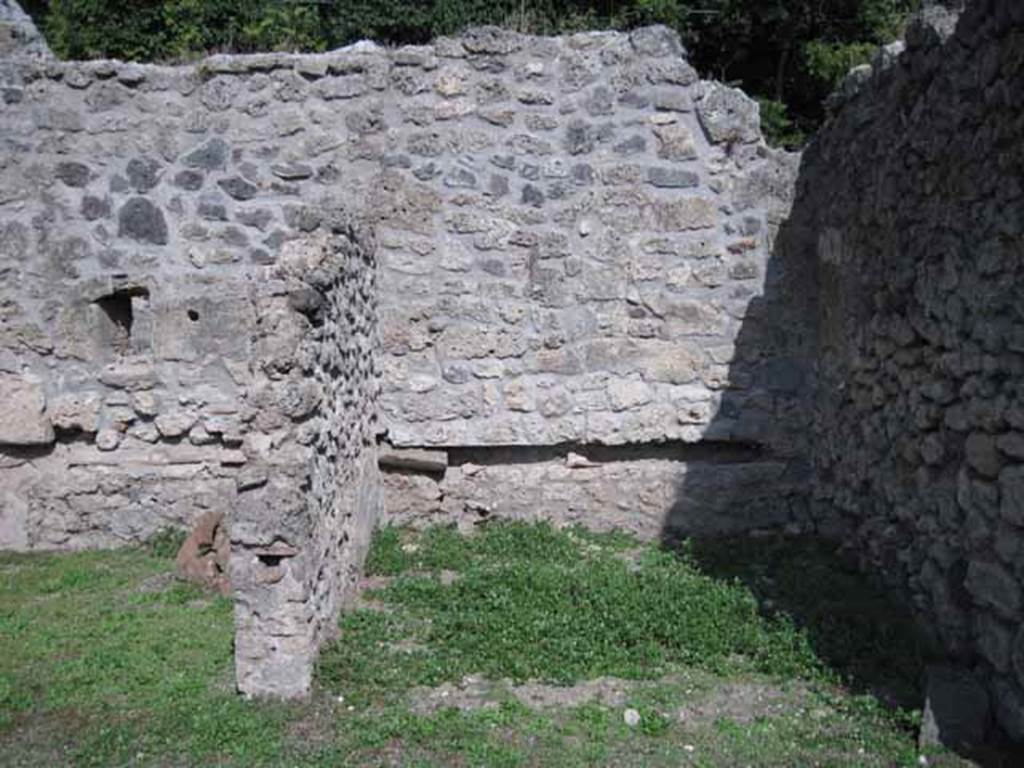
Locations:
{"points": [[302, 520], [911, 198], [599, 302], [573, 233], [581, 314], [185, 326]]}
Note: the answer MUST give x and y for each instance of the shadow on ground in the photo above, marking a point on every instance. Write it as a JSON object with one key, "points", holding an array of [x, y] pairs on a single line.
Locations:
{"points": [[854, 627], [862, 631]]}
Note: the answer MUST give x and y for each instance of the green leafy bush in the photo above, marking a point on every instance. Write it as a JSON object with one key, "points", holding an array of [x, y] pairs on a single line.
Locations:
{"points": [[829, 62], [778, 129]]}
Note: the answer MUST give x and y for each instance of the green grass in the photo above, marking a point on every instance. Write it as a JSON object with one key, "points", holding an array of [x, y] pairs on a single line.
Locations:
{"points": [[534, 603], [108, 662], [95, 671]]}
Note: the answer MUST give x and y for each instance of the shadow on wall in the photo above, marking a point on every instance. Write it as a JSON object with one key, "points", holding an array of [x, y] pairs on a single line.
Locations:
{"points": [[752, 521], [768, 399], [854, 627]]}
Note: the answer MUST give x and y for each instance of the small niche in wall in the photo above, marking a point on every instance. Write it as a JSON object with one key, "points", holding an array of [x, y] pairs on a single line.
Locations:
{"points": [[124, 320], [193, 316]]}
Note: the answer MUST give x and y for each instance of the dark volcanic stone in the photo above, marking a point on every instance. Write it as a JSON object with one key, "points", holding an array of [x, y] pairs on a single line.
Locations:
{"points": [[95, 207], [140, 220], [212, 209], [578, 138], [427, 172], [73, 174], [460, 178], [211, 155], [672, 177], [238, 188], [142, 173], [306, 300], [631, 146], [189, 180], [532, 196], [582, 174]]}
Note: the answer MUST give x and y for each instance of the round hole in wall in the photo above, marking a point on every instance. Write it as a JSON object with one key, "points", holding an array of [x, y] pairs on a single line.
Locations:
{"points": [[193, 315]]}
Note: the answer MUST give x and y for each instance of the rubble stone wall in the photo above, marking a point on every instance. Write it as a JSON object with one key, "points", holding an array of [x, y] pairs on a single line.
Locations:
{"points": [[912, 199], [184, 328], [572, 233], [302, 519], [598, 302]]}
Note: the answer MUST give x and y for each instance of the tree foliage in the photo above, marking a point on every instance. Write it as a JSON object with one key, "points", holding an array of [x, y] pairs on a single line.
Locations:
{"points": [[789, 53]]}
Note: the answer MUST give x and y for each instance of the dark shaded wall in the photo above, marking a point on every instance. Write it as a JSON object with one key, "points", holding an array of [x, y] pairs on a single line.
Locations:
{"points": [[911, 198]]}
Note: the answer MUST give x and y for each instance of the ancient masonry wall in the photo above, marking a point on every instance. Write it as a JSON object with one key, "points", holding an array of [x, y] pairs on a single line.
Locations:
{"points": [[301, 522], [912, 199], [183, 329], [598, 302], [573, 233]]}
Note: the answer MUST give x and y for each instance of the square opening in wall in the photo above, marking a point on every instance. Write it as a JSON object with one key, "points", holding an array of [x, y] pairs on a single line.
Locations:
{"points": [[124, 319]]}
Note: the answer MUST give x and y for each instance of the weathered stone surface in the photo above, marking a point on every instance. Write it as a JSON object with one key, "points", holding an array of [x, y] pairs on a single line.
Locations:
{"points": [[78, 411], [19, 37], [982, 454], [24, 421], [142, 173], [1011, 491], [210, 156], [95, 208], [630, 494], [657, 41], [189, 180], [672, 178], [675, 142], [175, 423], [205, 554], [992, 585], [565, 262], [728, 115], [415, 459], [238, 188], [73, 174]]}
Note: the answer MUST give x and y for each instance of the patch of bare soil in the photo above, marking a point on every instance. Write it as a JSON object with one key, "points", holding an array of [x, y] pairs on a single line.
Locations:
{"points": [[156, 583], [363, 600], [741, 702], [41, 738], [469, 694]]}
